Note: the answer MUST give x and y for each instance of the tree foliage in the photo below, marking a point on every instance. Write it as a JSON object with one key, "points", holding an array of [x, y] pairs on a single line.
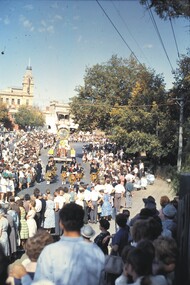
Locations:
{"points": [[4, 115], [29, 116], [130, 103], [169, 8], [104, 86], [5, 118]]}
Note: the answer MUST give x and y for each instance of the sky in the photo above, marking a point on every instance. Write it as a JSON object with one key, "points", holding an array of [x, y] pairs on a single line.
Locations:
{"points": [[62, 38]]}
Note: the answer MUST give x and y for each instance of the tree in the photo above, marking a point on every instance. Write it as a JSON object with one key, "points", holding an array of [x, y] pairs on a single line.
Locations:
{"points": [[29, 116], [104, 86], [145, 125], [169, 8], [130, 103], [4, 116]]}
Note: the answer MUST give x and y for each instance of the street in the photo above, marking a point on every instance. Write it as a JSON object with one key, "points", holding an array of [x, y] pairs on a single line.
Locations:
{"points": [[43, 186]]}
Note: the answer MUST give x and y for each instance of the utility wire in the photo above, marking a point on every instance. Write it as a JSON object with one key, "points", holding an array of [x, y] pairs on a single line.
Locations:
{"points": [[118, 32], [174, 37], [118, 12], [124, 106], [158, 33]]}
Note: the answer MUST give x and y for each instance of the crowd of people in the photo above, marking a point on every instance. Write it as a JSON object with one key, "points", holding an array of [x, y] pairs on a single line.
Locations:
{"points": [[145, 244], [20, 163], [55, 231]]}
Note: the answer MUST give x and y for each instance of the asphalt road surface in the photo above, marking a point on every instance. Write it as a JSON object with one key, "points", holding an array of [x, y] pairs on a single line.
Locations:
{"points": [[43, 186]]}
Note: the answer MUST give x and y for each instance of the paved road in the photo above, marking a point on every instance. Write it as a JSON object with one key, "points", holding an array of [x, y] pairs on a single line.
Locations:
{"points": [[43, 185], [157, 190]]}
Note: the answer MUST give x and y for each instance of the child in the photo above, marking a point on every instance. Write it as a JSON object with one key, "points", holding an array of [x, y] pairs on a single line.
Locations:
{"points": [[104, 226]]}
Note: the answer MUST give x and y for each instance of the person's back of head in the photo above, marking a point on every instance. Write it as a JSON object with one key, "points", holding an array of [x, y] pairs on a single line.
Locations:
{"points": [[66, 190], [166, 253], [71, 217], [121, 220], [36, 192], [146, 229], [12, 199], [140, 262], [26, 197], [35, 244]]}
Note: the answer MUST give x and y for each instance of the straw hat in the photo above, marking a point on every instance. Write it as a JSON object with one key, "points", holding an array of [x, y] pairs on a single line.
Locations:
{"points": [[87, 231]]}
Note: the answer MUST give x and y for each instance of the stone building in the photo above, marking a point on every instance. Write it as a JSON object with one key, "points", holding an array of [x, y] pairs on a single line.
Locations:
{"points": [[58, 115], [14, 97]]}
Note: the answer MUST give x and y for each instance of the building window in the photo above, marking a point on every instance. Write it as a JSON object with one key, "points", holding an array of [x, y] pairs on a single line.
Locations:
{"points": [[27, 102], [12, 101], [18, 101], [7, 101]]}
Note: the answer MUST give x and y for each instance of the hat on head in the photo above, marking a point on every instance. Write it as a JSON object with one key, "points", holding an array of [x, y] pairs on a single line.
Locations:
{"points": [[149, 202], [17, 198], [169, 211], [87, 231]]}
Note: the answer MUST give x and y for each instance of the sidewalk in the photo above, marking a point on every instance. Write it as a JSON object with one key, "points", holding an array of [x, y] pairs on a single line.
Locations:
{"points": [[158, 189]]}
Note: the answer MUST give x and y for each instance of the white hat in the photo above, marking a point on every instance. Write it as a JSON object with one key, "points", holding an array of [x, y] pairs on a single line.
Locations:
{"points": [[87, 231], [17, 198]]}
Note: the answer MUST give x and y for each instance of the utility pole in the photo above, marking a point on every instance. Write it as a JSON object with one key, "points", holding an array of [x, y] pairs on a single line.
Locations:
{"points": [[180, 102]]}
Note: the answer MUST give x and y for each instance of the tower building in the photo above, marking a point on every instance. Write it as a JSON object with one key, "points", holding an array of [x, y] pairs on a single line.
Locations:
{"points": [[14, 97]]}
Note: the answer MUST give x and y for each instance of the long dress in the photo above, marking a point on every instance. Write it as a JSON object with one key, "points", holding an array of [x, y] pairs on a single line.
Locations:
{"points": [[11, 234], [49, 222], [106, 206], [32, 226], [24, 232], [4, 241]]}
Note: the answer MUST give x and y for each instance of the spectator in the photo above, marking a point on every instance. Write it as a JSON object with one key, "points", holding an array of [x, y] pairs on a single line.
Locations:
{"points": [[87, 232], [32, 226], [121, 238], [139, 267], [104, 226], [69, 263], [4, 241], [166, 254]]}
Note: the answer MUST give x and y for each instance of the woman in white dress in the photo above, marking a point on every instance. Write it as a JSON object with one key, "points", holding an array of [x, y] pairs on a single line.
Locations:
{"points": [[30, 219], [3, 188]]}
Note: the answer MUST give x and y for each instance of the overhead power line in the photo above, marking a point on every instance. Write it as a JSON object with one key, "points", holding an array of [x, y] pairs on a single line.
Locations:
{"points": [[174, 37], [118, 32], [124, 106], [118, 12], [158, 33]]}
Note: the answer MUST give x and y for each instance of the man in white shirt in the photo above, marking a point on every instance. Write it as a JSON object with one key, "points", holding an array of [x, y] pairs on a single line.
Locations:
{"points": [[38, 207], [119, 191], [59, 202], [95, 195]]}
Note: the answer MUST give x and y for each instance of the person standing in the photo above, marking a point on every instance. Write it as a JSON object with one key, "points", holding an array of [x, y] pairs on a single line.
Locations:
{"points": [[38, 169], [141, 169], [119, 191], [129, 188], [4, 241], [94, 205], [49, 222], [32, 227], [69, 263]]}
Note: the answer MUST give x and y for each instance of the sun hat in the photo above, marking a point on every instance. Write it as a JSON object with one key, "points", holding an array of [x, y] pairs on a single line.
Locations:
{"points": [[149, 202], [169, 211], [87, 231]]}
